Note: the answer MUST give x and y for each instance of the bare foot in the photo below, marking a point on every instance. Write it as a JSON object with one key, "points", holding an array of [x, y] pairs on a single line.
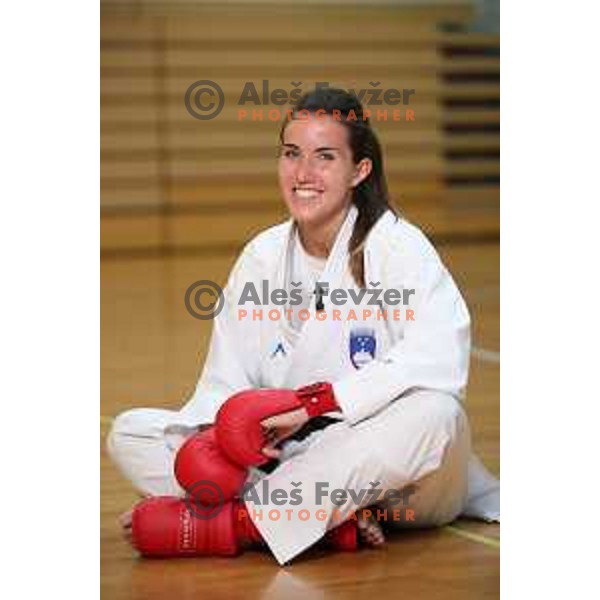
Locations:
{"points": [[369, 530], [125, 522]]}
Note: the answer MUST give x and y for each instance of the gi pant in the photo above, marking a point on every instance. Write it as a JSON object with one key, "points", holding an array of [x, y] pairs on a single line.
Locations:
{"points": [[419, 443]]}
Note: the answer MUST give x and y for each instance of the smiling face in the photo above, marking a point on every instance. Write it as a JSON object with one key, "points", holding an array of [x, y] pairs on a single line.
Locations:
{"points": [[317, 172]]}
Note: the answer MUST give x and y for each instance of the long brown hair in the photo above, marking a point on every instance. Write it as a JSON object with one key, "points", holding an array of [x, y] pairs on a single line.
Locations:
{"points": [[371, 195]]}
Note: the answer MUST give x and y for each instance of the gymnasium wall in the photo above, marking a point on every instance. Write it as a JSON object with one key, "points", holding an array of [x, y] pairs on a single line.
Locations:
{"points": [[174, 183]]}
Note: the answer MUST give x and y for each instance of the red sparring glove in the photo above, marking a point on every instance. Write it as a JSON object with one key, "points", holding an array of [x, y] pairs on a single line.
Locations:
{"points": [[239, 431], [203, 471]]}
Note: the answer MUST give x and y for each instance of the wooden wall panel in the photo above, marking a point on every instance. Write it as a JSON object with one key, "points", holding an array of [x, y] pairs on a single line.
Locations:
{"points": [[161, 164]]}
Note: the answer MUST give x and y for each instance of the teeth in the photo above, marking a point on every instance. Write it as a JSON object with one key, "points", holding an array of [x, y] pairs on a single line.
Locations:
{"points": [[306, 193]]}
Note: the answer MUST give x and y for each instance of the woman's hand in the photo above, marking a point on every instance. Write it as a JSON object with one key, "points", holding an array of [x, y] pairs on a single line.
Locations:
{"points": [[281, 427]]}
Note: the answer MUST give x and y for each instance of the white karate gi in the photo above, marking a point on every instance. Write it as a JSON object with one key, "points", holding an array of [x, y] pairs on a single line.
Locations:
{"points": [[402, 421]]}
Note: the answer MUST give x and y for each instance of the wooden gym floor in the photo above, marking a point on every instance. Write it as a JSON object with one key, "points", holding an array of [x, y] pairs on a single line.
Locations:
{"points": [[152, 350]]}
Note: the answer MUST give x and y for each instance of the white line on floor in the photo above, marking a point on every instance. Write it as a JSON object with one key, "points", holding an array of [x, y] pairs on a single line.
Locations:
{"points": [[490, 356]]}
